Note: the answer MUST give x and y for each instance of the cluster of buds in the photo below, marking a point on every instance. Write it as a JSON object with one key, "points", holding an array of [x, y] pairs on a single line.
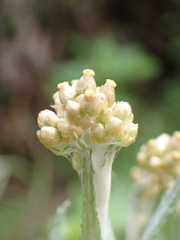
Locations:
{"points": [[158, 164], [86, 112]]}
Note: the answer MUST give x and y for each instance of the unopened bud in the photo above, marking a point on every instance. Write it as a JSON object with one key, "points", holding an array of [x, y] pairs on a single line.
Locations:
{"points": [[108, 90], [60, 110], [141, 158], [77, 130], [73, 111], [49, 136], [75, 116], [130, 133], [114, 127], [65, 129], [104, 115], [162, 143], [66, 92], [47, 117], [77, 161], [155, 162], [86, 82], [123, 111], [99, 133], [159, 159], [52, 120], [90, 103]]}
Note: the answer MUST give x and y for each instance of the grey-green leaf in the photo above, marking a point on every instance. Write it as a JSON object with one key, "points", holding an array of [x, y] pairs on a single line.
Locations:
{"points": [[163, 210], [55, 232]]}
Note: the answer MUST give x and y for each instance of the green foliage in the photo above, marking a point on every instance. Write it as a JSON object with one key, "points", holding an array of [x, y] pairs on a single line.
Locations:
{"points": [[124, 63]]}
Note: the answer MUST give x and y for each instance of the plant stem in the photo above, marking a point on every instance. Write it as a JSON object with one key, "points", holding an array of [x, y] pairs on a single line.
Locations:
{"points": [[90, 223], [96, 184]]}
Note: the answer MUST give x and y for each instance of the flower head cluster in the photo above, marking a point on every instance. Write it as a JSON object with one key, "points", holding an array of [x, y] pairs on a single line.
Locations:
{"points": [[158, 164], [86, 112]]}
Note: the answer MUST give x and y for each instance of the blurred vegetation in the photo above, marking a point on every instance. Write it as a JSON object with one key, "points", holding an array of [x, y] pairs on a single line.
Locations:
{"points": [[46, 42]]}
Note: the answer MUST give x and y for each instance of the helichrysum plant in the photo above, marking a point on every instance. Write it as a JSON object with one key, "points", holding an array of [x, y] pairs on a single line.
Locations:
{"points": [[157, 185], [89, 128]]}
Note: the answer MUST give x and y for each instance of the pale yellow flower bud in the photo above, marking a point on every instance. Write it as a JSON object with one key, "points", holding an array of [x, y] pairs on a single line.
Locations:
{"points": [[66, 92], [131, 131], [77, 161], [123, 111], [103, 99], [75, 116], [47, 117], [65, 129], [73, 111], [86, 82], [52, 120], [108, 90], [159, 159], [115, 128], [104, 115], [141, 158], [155, 162], [77, 130], [90, 103], [158, 145], [162, 143], [99, 133], [49, 136]]}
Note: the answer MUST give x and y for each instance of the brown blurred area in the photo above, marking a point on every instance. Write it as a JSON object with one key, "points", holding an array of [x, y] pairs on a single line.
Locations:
{"points": [[33, 37]]}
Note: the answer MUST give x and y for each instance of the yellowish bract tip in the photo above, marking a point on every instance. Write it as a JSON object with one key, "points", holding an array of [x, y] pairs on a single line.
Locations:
{"points": [[111, 83], [89, 72], [60, 85], [90, 93]]}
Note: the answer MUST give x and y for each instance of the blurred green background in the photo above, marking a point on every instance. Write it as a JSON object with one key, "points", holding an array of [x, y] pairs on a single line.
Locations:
{"points": [[42, 43]]}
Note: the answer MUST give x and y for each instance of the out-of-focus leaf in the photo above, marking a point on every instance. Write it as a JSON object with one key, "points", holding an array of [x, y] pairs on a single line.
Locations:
{"points": [[56, 227], [128, 62], [164, 209]]}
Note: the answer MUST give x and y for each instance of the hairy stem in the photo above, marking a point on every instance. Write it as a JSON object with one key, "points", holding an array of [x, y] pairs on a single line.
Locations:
{"points": [[102, 162], [96, 184], [90, 222]]}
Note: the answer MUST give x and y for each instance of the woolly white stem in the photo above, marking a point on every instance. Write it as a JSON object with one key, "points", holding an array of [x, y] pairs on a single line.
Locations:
{"points": [[102, 159]]}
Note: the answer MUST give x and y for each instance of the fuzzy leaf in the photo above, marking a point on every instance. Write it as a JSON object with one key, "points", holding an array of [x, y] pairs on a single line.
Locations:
{"points": [[55, 232], [163, 210]]}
